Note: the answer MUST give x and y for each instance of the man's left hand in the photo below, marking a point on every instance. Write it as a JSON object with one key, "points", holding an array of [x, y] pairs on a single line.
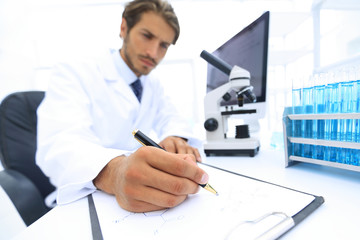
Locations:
{"points": [[179, 145]]}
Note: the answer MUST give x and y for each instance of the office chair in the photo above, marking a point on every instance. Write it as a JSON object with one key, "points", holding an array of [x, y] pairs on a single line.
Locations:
{"points": [[22, 179]]}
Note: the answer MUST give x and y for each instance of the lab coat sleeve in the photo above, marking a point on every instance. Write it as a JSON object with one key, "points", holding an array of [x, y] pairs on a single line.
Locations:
{"points": [[69, 152]]}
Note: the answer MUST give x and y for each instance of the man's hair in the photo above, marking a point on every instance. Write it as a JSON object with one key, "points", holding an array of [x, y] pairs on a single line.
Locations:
{"points": [[134, 10]]}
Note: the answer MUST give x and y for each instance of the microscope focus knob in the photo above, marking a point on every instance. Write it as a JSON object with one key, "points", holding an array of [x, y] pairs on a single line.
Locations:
{"points": [[211, 124], [226, 97]]}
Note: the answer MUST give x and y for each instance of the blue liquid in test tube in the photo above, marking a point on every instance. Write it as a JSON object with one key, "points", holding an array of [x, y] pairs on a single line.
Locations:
{"points": [[319, 125], [328, 103], [331, 125], [356, 152], [346, 103], [296, 124], [306, 125], [356, 134]]}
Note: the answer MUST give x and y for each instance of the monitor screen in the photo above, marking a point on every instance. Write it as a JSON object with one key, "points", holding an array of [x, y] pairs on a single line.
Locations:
{"points": [[248, 49]]}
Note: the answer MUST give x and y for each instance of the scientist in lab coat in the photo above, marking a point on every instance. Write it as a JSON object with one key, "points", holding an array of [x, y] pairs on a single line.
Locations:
{"points": [[86, 119]]}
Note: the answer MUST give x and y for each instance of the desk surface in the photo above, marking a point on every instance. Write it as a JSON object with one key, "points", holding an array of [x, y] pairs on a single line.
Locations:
{"points": [[337, 218]]}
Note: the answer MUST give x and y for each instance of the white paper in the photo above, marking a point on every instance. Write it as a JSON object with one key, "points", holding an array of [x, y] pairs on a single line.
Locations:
{"points": [[205, 215]]}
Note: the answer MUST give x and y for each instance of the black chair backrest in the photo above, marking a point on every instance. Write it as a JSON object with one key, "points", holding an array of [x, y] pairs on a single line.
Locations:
{"points": [[18, 128]]}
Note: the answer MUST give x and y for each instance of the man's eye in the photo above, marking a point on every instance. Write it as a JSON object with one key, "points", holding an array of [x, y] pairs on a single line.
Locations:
{"points": [[148, 36], [164, 45]]}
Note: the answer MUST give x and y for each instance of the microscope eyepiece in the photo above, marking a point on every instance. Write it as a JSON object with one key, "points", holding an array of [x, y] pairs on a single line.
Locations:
{"points": [[216, 62]]}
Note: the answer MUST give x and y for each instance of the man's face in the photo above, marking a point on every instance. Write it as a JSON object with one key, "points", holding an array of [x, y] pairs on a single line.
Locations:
{"points": [[146, 44]]}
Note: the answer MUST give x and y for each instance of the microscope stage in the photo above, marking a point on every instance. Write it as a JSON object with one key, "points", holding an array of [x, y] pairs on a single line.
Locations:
{"points": [[232, 147]]}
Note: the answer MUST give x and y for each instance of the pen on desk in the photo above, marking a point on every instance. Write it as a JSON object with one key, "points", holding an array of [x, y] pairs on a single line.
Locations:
{"points": [[146, 141]]}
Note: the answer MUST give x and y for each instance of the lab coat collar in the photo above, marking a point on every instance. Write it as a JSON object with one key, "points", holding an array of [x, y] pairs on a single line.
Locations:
{"points": [[122, 68], [114, 68], [110, 67]]}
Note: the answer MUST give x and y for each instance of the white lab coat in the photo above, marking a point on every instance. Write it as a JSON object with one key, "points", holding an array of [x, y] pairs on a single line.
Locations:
{"points": [[87, 119]]}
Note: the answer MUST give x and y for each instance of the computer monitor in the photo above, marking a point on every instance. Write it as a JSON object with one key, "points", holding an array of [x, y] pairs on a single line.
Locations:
{"points": [[248, 49]]}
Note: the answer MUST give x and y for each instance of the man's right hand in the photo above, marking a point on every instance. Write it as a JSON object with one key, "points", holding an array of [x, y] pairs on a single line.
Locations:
{"points": [[151, 179]]}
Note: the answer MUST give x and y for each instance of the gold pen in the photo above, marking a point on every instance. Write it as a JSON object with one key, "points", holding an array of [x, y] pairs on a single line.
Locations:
{"points": [[146, 141]]}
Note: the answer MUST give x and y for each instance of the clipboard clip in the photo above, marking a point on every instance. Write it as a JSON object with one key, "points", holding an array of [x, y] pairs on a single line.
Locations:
{"points": [[269, 226]]}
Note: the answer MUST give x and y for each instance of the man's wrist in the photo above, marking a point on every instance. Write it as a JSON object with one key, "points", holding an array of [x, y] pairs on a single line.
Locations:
{"points": [[106, 178]]}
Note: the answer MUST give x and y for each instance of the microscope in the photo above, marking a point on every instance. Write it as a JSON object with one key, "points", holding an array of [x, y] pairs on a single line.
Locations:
{"points": [[216, 120]]}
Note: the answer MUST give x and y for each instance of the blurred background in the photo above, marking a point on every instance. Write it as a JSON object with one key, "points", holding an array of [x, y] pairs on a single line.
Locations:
{"points": [[306, 36]]}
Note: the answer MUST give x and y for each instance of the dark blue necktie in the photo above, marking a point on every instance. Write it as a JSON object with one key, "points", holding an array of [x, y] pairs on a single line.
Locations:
{"points": [[137, 88]]}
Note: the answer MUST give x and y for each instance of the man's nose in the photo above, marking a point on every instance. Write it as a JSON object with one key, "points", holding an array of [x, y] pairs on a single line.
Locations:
{"points": [[153, 50]]}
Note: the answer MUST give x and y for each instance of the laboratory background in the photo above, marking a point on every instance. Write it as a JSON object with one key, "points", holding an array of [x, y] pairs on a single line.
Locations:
{"points": [[310, 42], [306, 38]]}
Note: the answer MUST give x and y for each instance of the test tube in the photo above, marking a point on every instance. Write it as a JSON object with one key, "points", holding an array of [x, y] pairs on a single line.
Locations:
{"points": [[307, 106], [356, 123], [297, 109], [327, 99], [331, 106], [319, 107], [346, 88]]}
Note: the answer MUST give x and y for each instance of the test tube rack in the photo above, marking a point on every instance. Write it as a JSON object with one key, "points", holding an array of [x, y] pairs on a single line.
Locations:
{"points": [[289, 140]]}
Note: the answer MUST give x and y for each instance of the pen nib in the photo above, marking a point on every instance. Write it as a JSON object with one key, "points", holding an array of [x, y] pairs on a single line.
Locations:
{"points": [[211, 189]]}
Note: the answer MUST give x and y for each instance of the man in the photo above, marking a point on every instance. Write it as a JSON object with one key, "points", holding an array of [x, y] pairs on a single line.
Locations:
{"points": [[89, 111]]}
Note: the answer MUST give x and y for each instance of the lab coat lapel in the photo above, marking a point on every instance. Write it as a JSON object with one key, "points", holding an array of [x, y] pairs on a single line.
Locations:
{"points": [[113, 77]]}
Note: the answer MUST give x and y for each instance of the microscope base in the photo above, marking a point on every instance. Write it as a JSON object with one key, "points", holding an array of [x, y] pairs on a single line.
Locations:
{"points": [[232, 147]]}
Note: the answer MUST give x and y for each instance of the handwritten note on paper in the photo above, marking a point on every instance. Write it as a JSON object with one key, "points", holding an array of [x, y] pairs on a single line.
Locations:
{"points": [[204, 214]]}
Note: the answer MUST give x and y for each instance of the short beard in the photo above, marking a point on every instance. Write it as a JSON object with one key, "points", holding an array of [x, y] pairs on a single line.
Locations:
{"points": [[127, 57]]}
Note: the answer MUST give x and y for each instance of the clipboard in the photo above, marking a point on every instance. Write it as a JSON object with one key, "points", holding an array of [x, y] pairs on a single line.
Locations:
{"points": [[287, 222], [248, 209]]}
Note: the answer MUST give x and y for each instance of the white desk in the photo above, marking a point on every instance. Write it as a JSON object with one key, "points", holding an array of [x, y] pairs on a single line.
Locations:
{"points": [[337, 218]]}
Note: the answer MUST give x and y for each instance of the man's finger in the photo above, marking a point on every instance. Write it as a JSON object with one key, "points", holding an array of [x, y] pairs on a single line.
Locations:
{"points": [[149, 199], [174, 164], [171, 184]]}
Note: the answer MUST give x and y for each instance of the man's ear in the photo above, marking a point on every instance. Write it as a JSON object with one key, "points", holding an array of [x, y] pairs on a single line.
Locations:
{"points": [[123, 28]]}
